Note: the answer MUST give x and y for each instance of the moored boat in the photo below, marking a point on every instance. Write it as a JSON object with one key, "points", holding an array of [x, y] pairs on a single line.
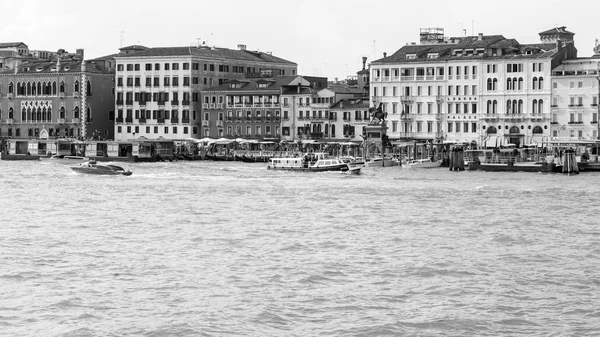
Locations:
{"points": [[91, 167], [381, 162], [422, 163]]}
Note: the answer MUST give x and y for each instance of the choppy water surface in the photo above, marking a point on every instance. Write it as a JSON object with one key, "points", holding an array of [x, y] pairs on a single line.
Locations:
{"points": [[231, 249]]}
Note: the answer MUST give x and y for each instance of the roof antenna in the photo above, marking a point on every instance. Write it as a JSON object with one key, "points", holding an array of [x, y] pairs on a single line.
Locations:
{"points": [[122, 32]]}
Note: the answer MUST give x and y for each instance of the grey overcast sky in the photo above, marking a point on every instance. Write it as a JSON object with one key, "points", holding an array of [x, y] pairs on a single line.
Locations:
{"points": [[325, 38]]}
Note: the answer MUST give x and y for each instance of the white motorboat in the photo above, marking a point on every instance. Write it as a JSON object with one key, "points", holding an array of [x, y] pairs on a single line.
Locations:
{"points": [[381, 162], [422, 163]]}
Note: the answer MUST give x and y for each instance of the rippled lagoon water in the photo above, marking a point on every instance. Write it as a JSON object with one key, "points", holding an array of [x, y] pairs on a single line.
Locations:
{"points": [[231, 249]]}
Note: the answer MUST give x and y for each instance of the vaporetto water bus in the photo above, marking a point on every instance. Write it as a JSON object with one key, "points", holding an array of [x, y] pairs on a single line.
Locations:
{"points": [[312, 162]]}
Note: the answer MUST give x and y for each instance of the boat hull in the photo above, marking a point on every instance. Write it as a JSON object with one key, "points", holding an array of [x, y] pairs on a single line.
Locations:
{"points": [[105, 170], [6, 156], [336, 168], [429, 164]]}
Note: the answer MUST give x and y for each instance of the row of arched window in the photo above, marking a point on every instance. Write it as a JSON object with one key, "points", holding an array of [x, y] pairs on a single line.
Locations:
{"points": [[44, 114], [515, 83], [43, 88], [515, 129], [515, 106]]}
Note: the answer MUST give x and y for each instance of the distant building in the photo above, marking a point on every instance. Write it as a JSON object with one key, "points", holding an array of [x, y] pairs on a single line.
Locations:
{"points": [[158, 89], [486, 89], [575, 96], [58, 98]]}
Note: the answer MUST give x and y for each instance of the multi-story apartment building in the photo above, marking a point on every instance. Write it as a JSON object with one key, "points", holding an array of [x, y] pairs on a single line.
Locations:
{"points": [[251, 108], [575, 96], [63, 97], [158, 89], [473, 89], [349, 116]]}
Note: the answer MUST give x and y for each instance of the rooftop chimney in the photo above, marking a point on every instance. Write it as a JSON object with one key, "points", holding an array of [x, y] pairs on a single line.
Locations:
{"points": [[241, 46], [79, 52], [480, 36], [384, 54], [364, 62]]}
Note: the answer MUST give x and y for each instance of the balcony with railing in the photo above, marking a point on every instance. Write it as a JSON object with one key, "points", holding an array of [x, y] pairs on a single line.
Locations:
{"points": [[128, 102], [185, 102], [174, 120], [142, 102], [10, 121], [10, 95], [119, 102], [407, 99], [75, 121], [576, 123], [185, 120], [174, 102], [205, 123], [142, 120], [129, 120], [407, 78], [220, 123], [118, 120], [160, 120], [161, 103]]}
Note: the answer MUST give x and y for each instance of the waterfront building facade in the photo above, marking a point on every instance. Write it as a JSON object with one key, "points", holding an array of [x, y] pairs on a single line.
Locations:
{"points": [[251, 108], [575, 96], [62, 97], [158, 89], [488, 90]]}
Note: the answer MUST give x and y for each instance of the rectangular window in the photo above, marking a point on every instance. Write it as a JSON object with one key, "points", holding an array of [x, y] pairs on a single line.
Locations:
{"points": [[457, 126], [167, 68], [466, 127], [136, 67], [186, 66], [474, 127], [450, 107], [450, 126], [156, 66]]}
